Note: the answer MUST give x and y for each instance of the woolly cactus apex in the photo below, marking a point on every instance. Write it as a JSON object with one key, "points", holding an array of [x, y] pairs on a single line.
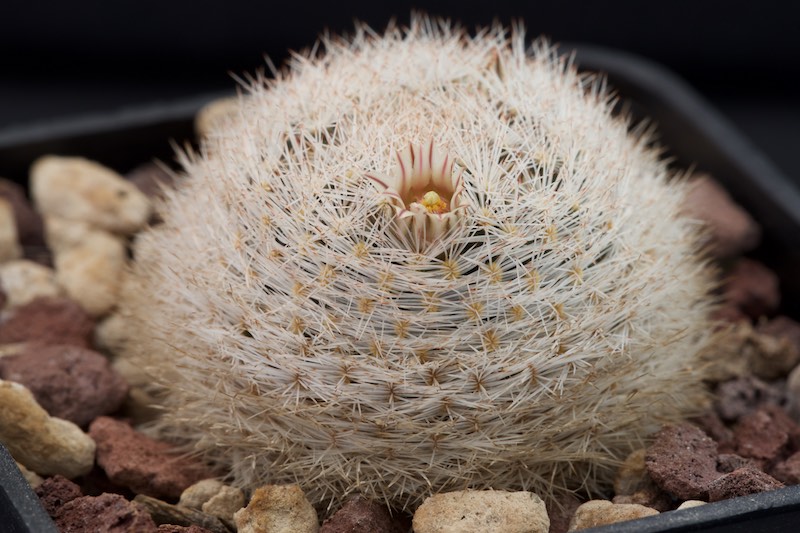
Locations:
{"points": [[419, 262]]}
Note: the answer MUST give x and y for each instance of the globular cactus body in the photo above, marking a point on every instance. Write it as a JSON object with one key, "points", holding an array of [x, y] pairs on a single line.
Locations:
{"points": [[419, 262]]}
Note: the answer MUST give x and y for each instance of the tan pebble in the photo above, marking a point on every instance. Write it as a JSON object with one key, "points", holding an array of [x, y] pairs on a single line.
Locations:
{"points": [[199, 493], [723, 358], [135, 375], [23, 281], [42, 443], [111, 335], [33, 479], [62, 234], [12, 348], [214, 113], [91, 273], [78, 189], [688, 504], [487, 511], [9, 238], [632, 475], [770, 357], [140, 406], [225, 503], [277, 509], [603, 512]]}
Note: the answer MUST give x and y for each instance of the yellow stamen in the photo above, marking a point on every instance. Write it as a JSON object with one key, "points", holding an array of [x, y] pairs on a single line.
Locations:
{"points": [[434, 203]]}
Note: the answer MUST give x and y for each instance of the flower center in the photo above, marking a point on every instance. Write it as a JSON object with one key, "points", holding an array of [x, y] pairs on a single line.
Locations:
{"points": [[433, 202], [424, 192]]}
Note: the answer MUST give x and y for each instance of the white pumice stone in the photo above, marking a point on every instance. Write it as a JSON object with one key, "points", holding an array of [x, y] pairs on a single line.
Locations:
{"points": [[44, 444], [23, 281], [91, 272], [9, 238], [79, 189]]}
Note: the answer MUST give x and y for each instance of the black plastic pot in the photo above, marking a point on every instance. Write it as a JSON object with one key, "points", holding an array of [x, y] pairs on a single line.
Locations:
{"points": [[695, 134]]}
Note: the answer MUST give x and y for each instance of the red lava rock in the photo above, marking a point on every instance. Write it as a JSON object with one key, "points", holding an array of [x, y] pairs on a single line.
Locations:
{"points": [[49, 321], [788, 471], [96, 482], [728, 462], [68, 382], [741, 482], [713, 426], [146, 466], [30, 228], [360, 515], [171, 528], [739, 397], [56, 491], [732, 229], [753, 288], [766, 434], [682, 461], [729, 313], [107, 513]]}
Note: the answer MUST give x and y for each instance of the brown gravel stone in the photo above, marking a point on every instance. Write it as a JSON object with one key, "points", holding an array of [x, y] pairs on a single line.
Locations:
{"points": [[765, 434], [782, 327], [788, 471], [150, 178], [28, 221], [165, 513], [71, 383], [48, 320], [56, 491], [731, 229], [682, 461], [753, 288], [652, 497], [360, 515], [172, 528], [107, 513], [561, 512], [739, 397], [146, 466], [741, 482]]}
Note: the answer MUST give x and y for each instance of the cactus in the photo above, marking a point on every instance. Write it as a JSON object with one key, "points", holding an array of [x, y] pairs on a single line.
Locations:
{"points": [[421, 261]]}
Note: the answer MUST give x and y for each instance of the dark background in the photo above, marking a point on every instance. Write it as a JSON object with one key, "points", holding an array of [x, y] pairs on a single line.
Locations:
{"points": [[64, 59]]}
